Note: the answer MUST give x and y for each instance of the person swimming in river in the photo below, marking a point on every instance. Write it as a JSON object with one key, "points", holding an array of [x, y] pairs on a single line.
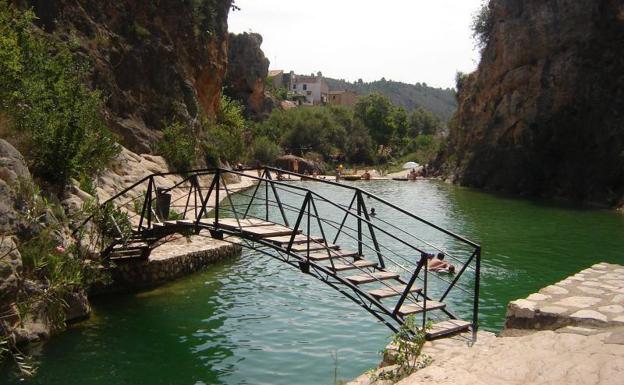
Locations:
{"points": [[438, 264], [372, 212]]}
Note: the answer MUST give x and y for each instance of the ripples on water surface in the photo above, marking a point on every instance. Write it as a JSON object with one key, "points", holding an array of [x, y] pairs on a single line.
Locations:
{"points": [[257, 321]]}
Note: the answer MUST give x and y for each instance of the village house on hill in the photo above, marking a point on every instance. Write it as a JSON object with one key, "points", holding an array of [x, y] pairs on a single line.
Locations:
{"points": [[342, 98], [310, 90]]}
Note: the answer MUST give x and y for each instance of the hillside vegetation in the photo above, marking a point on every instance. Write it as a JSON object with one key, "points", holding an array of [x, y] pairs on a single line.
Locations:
{"points": [[441, 102]]}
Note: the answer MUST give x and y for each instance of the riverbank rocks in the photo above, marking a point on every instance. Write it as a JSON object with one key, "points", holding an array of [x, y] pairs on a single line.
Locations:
{"points": [[173, 260], [591, 298]]}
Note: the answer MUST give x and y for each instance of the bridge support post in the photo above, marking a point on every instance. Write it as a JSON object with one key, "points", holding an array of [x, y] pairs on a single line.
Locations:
{"points": [[298, 222], [359, 222], [371, 229], [475, 310], [408, 288], [266, 193], [217, 188]]}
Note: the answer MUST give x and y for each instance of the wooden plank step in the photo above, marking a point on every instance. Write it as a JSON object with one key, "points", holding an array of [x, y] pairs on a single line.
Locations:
{"points": [[415, 308], [126, 257], [359, 264], [231, 223], [129, 250], [335, 254], [134, 246], [267, 231], [392, 291], [447, 327], [314, 246], [372, 277], [299, 238]]}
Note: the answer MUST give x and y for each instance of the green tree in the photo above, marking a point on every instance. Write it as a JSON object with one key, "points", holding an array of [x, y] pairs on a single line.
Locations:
{"points": [[375, 111], [264, 150], [423, 122], [401, 122], [359, 148]]}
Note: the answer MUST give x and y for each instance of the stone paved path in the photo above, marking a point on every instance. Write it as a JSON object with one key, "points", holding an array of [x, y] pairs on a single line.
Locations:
{"points": [[571, 332], [591, 298]]}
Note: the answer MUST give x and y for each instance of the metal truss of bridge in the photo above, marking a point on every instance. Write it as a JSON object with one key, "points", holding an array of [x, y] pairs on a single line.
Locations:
{"points": [[378, 262]]}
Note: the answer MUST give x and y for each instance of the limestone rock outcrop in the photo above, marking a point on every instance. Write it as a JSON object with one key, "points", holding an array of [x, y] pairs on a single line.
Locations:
{"points": [[247, 70], [12, 169], [542, 114], [153, 61]]}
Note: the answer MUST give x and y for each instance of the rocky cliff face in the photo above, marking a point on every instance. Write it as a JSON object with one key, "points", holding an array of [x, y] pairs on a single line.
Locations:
{"points": [[544, 112], [247, 70], [154, 61]]}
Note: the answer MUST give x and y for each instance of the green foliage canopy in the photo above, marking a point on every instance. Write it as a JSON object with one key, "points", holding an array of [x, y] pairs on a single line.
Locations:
{"points": [[42, 91]]}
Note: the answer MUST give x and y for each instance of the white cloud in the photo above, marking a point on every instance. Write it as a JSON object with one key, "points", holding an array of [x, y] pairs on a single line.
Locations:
{"points": [[405, 40]]}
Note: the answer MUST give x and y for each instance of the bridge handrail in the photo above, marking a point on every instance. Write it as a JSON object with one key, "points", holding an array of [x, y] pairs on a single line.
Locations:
{"points": [[214, 170], [448, 232]]}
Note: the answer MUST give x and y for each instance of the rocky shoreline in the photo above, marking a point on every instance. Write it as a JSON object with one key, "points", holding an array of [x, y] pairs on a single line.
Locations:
{"points": [[571, 332], [168, 262]]}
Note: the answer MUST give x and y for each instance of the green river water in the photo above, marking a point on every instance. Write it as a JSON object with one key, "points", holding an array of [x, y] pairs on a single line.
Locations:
{"points": [[254, 320]]}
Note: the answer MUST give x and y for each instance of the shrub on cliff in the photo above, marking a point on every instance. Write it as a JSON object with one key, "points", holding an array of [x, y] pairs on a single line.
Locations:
{"points": [[482, 24], [55, 120], [223, 136], [178, 146]]}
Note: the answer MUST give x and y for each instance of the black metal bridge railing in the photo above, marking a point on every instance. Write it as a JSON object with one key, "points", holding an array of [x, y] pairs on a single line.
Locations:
{"points": [[311, 231]]}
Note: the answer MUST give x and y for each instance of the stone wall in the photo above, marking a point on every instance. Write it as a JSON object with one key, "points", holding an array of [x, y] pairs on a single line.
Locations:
{"points": [[173, 260]]}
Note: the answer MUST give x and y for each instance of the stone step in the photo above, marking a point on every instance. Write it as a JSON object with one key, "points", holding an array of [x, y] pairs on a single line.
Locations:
{"points": [[415, 308], [372, 277], [392, 291], [359, 264], [447, 327]]}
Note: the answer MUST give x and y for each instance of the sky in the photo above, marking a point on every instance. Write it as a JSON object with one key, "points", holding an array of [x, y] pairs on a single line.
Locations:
{"points": [[404, 40]]}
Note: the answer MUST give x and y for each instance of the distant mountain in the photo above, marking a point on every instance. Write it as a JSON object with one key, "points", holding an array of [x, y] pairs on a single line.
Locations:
{"points": [[439, 101]]}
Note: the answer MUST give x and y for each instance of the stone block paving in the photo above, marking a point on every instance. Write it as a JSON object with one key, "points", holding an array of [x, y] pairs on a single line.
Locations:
{"points": [[569, 333], [592, 298]]}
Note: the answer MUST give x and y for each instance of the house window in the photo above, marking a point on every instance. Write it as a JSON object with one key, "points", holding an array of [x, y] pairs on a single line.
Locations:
{"points": [[309, 93], [294, 86], [305, 87]]}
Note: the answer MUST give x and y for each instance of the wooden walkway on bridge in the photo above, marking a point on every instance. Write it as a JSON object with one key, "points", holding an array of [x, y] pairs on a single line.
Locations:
{"points": [[376, 283]]}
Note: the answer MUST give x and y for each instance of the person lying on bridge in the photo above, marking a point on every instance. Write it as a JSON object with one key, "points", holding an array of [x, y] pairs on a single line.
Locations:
{"points": [[438, 264]]}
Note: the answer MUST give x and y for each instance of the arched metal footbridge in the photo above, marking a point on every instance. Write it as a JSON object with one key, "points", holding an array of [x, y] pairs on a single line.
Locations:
{"points": [[323, 228]]}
